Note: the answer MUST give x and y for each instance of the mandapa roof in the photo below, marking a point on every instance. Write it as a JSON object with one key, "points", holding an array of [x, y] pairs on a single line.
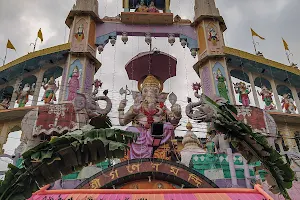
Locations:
{"points": [[154, 194]]}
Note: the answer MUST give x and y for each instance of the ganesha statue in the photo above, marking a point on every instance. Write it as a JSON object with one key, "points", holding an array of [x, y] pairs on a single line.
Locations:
{"points": [[148, 108]]}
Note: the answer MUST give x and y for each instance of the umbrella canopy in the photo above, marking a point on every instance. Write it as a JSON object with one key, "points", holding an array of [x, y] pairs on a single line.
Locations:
{"points": [[157, 63]]}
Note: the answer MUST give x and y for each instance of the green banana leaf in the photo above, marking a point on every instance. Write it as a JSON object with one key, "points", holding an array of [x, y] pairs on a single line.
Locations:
{"points": [[253, 146], [50, 160]]}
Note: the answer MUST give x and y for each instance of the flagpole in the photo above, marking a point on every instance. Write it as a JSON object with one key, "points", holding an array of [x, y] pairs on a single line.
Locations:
{"points": [[288, 56], [5, 57], [253, 41], [34, 44]]}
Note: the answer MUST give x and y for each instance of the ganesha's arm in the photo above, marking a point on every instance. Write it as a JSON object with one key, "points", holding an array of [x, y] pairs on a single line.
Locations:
{"points": [[126, 118]]}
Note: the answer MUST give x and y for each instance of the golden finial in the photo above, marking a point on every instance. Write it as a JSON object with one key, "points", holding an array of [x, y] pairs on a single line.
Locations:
{"points": [[189, 126]]}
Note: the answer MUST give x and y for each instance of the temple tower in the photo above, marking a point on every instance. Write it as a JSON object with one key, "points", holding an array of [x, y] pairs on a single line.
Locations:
{"points": [[211, 66], [78, 74]]}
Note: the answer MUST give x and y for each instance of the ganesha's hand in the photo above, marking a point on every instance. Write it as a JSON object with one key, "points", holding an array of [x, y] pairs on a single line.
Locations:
{"points": [[122, 105], [176, 109]]}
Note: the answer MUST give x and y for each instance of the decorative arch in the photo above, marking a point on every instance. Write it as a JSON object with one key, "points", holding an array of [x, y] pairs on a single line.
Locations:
{"points": [[260, 81], [6, 92], [282, 89], [29, 79], [141, 169], [54, 72]]}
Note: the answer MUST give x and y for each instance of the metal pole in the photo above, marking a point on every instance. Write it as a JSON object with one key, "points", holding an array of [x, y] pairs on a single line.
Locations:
{"points": [[254, 45], [5, 56]]}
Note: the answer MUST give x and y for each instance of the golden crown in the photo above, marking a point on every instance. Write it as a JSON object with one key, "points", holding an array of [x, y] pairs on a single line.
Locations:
{"points": [[151, 81]]}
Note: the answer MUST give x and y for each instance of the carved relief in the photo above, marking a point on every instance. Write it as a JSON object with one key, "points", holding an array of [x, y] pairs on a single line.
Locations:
{"points": [[220, 81], [74, 80], [213, 37], [80, 37]]}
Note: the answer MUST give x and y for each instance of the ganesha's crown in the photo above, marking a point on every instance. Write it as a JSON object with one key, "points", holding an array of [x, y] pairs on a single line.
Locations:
{"points": [[151, 81]]}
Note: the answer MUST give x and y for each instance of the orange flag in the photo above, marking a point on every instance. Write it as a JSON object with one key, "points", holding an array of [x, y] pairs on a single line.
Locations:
{"points": [[255, 34], [285, 44]]}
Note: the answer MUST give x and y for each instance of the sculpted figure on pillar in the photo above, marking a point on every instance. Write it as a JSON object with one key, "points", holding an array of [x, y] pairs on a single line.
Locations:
{"points": [[267, 97], [149, 107], [243, 90], [50, 90], [288, 104], [23, 94], [5, 103]]}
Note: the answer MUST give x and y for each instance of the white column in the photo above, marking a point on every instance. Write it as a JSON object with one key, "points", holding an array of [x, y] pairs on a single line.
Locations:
{"points": [[296, 98], [246, 173], [251, 79], [232, 168], [37, 89], [14, 94], [277, 100]]}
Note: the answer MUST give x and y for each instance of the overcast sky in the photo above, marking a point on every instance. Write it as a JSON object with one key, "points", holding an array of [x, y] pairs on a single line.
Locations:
{"points": [[272, 19]]}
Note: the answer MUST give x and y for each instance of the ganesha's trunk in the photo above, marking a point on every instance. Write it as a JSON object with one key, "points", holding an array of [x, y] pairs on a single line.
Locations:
{"points": [[108, 107], [189, 109]]}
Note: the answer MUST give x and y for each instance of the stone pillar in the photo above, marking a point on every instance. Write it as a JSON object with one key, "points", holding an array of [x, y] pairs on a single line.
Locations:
{"points": [[246, 173], [232, 168], [38, 86], [277, 100], [126, 6], [14, 94], [251, 79], [296, 98], [167, 6]]}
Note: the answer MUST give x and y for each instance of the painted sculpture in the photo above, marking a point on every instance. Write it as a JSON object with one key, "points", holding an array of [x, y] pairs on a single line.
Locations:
{"points": [[267, 97], [50, 90], [222, 88], [243, 90], [152, 8], [288, 104], [23, 94], [58, 119], [149, 106], [4, 104], [73, 83], [141, 7]]}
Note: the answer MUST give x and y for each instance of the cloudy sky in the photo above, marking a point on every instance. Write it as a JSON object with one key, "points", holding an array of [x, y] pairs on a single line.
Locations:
{"points": [[272, 19]]}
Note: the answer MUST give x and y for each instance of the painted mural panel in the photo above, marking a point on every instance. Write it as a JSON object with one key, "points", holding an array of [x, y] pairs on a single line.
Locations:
{"points": [[80, 35], [220, 81], [213, 37], [74, 80], [206, 82]]}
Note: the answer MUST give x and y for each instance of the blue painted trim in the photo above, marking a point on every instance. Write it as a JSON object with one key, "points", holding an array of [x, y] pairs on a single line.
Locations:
{"points": [[191, 43], [103, 40]]}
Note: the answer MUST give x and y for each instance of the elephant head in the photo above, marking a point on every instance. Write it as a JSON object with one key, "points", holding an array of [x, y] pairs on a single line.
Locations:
{"points": [[199, 110], [91, 105]]}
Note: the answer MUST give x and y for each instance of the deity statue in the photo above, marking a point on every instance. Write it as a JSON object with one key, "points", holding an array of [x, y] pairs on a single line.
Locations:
{"points": [[73, 83], [5, 103], [288, 104], [243, 90], [23, 94], [149, 107], [50, 90], [266, 96], [222, 88], [141, 7], [152, 8]]}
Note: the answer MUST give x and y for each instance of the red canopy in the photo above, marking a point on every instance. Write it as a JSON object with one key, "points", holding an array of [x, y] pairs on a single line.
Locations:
{"points": [[157, 63]]}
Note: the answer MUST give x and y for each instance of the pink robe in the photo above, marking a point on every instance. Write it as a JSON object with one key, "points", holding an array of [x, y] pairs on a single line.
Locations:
{"points": [[142, 148], [73, 86]]}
